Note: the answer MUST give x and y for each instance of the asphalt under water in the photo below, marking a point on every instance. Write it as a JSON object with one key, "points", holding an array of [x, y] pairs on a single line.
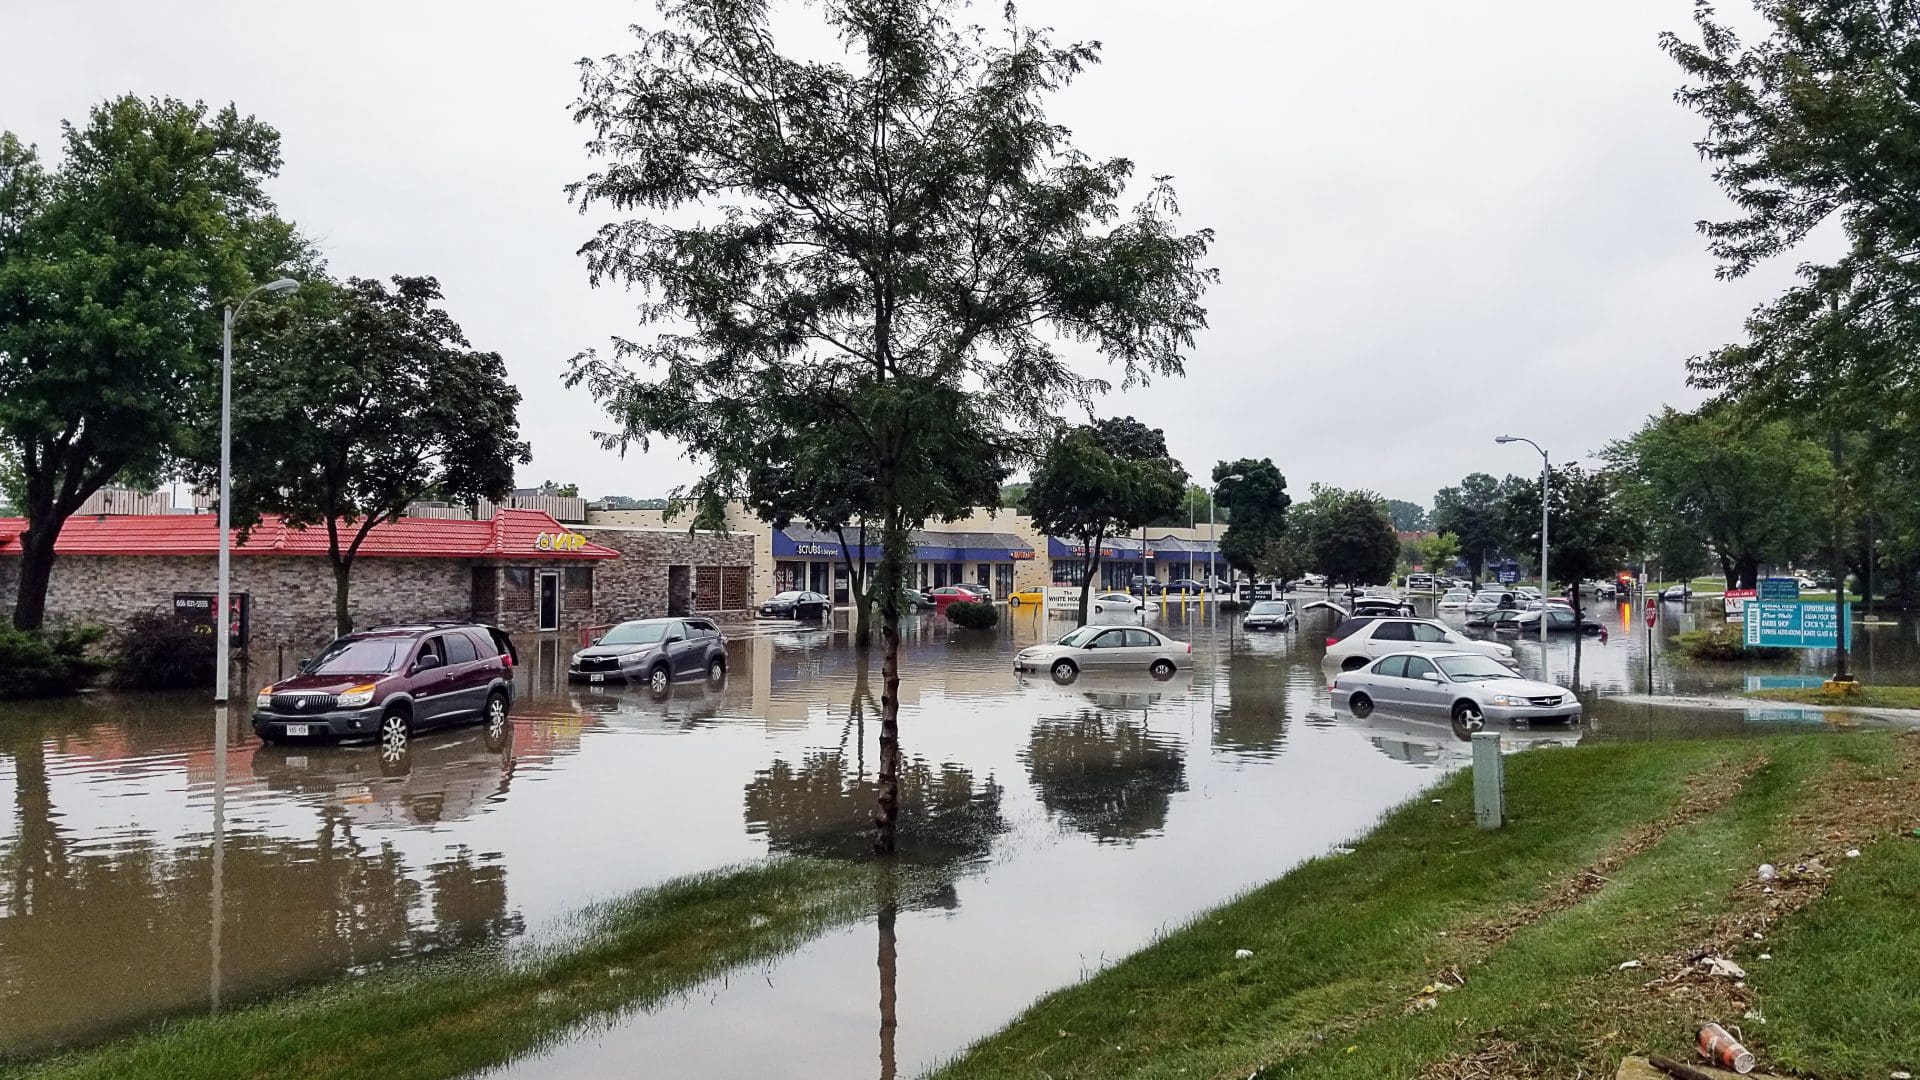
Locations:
{"points": [[157, 863]]}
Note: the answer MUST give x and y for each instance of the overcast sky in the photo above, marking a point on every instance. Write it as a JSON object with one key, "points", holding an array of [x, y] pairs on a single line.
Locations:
{"points": [[1435, 222]]}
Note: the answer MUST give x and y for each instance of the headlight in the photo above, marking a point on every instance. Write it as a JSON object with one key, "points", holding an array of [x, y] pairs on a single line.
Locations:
{"points": [[632, 658], [1508, 699], [265, 699], [354, 696]]}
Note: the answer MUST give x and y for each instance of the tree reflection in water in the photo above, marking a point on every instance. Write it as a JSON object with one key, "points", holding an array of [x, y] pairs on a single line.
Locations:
{"points": [[1105, 775], [819, 807]]}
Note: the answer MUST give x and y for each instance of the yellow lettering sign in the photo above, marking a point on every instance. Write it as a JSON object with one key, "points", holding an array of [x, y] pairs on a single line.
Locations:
{"points": [[562, 541]]}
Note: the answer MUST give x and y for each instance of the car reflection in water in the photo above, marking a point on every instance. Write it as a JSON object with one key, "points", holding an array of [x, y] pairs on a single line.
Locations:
{"points": [[1437, 742], [439, 777], [681, 706]]}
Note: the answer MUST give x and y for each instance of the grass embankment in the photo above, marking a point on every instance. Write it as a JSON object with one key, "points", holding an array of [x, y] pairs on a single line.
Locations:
{"points": [[447, 1017], [1619, 853], [1869, 697]]}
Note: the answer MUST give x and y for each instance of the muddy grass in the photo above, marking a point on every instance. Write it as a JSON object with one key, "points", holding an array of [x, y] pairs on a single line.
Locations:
{"points": [[1576, 936]]}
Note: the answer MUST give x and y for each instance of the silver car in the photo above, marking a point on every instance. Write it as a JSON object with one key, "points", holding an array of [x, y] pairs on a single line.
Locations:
{"points": [[1270, 615], [1467, 687], [1107, 649]]}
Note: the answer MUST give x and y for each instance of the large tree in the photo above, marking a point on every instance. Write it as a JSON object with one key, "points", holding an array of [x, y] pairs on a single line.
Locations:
{"points": [[355, 399], [1754, 492], [1101, 480], [1408, 516], [1259, 503], [1348, 536], [902, 224], [1592, 530], [1471, 512], [113, 270]]}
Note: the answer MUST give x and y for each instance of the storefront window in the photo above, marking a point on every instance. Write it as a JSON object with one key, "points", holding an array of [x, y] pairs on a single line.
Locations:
{"points": [[788, 576], [1003, 580]]}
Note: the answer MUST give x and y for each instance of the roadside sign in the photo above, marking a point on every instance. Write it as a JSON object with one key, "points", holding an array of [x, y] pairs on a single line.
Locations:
{"points": [[1794, 624], [197, 611], [1779, 588], [1736, 601], [1508, 577], [1651, 612]]}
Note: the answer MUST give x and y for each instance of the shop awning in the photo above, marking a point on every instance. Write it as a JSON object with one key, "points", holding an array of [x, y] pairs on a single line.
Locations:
{"points": [[806, 542]]}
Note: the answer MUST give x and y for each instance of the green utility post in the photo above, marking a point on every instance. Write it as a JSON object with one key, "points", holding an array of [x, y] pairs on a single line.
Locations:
{"points": [[1489, 781]]}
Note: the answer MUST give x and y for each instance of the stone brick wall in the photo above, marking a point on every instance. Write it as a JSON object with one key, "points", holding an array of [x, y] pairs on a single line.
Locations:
{"points": [[634, 586]]}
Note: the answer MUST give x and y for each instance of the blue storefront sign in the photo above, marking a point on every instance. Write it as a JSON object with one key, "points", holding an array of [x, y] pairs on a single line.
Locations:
{"points": [[1779, 588], [1508, 577], [1794, 624]]}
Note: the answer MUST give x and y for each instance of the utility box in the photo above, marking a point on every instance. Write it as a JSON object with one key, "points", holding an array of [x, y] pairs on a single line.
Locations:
{"points": [[1489, 781]]}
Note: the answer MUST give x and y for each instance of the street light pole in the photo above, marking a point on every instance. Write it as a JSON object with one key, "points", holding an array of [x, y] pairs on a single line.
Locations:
{"points": [[223, 617], [1545, 470]]}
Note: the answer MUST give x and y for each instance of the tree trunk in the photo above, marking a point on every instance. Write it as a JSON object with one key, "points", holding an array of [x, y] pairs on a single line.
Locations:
{"points": [[886, 817], [1749, 571], [1090, 566], [889, 963], [342, 619], [1729, 571], [36, 573]]}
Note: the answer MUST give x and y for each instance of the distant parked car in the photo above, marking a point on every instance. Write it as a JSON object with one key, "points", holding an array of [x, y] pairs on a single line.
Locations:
{"points": [[1454, 600], [1469, 688], [1186, 587], [797, 605], [1676, 592], [390, 682], [1379, 637], [1271, 615], [1101, 603], [947, 595], [1107, 649], [1032, 594], [981, 592], [654, 651], [1146, 586]]}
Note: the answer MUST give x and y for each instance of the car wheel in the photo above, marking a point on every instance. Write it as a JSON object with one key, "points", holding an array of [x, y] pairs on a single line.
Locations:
{"points": [[496, 714], [716, 670], [1360, 705], [1065, 671], [1162, 669], [396, 733], [1354, 663], [658, 678], [1013, 601], [1467, 719]]}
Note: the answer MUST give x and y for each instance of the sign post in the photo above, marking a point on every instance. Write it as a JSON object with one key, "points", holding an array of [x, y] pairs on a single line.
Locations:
{"points": [[1652, 611], [196, 609]]}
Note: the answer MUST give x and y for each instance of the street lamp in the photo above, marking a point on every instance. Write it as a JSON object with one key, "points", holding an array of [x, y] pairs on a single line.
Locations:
{"points": [[1213, 538], [1503, 440], [223, 619]]}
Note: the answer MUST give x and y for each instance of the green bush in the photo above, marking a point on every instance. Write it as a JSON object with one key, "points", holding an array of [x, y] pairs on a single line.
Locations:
{"points": [[973, 616], [47, 663], [1722, 644], [155, 651]]}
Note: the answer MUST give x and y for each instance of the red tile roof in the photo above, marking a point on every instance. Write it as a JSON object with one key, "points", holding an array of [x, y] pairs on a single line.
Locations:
{"points": [[510, 534]]}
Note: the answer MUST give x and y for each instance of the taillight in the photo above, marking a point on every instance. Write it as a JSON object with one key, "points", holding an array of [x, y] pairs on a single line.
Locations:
{"points": [[506, 659], [1189, 648], [1333, 641]]}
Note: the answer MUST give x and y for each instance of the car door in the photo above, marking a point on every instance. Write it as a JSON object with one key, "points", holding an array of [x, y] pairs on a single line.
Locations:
{"points": [[1420, 685], [431, 685], [1107, 651], [1142, 649], [466, 677], [1383, 681], [1428, 638], [688, 654]]}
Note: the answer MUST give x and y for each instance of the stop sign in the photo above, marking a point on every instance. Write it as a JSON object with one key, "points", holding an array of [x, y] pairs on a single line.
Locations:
{"points": [[1650, 614]]}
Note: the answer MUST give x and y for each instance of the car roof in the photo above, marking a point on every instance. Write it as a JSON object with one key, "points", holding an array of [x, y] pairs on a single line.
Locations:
{"points": [[415, 628]]}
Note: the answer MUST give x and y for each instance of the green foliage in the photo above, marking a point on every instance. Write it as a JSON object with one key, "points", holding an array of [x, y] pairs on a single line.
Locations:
{"points": [[1438, 553], [153, 650], [354, 399], [1592, 531], [1722, 643], [47, 663], [1100, 480], [1408, 516], [1014, 497], [560, 491], [113, 267], [1287, 557], [973, 616], [1259, 500], [1472, 513], [1752, 491], [1348, 536]]}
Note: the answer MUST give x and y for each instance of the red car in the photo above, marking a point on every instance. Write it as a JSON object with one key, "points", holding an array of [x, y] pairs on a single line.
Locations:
{"points": [[952, 594], [388, 683]]}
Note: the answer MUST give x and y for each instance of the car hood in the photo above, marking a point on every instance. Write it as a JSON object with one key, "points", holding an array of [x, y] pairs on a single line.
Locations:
{"points": [[1521, 687], [326, 684], [613, 650], [1047, 652]]}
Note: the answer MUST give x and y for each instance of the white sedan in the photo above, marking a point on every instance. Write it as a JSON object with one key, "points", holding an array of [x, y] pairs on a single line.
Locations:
{"points": [[1107, 649], [1102, 603]]}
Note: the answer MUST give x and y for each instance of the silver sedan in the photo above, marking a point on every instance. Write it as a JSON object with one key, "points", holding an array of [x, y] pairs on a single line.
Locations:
{"points": [[1107, 649], [1468, 687]]}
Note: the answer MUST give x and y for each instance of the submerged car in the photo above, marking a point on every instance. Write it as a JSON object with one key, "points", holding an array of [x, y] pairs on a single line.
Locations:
{"points": [[1107, 649], [1454, 600], [1469, 688], [1032, 594], [1352, 647], [390, 682], [1270, 615], [653, 651], [1103, 603], [797, 604]]}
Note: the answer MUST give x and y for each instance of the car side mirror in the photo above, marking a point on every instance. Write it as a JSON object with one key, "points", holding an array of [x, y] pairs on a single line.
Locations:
{"points": [[427, 663], [672, 639], [303, 663], [1430, 676]]}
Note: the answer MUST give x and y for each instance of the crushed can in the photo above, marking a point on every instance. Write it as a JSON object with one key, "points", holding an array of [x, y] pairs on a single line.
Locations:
{"points": [[1723, 1050]]}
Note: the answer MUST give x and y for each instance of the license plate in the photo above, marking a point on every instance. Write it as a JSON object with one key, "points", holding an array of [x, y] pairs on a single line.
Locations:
{"points": [[296, 761], [297, 729], [596, 678]]}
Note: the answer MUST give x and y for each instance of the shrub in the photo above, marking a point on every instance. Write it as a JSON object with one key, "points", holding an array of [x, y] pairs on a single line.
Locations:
{"points": [[47, 663], [973, 616], [1721, 644], [155, 651]]}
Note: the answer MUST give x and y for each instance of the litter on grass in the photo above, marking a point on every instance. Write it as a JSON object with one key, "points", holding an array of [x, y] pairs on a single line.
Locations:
{"points": [[1243, 954]]}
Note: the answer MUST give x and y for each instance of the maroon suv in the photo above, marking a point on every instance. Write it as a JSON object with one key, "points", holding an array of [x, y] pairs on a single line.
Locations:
{"points": [[391, 682]]}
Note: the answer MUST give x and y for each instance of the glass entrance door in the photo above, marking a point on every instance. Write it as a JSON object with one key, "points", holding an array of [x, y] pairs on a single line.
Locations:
{"points": [[549, 600]]}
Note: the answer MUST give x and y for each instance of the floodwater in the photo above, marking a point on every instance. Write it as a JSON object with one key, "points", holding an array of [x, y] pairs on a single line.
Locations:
{"points": [[158, 863]]}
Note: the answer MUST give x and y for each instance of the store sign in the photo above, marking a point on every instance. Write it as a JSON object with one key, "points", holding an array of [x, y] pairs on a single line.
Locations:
{"points": [[1080, 551], [196, 609], [559, 541], [1779, 588], [1736, 601], [1794, 624], [832, 550], [1018, 555]]}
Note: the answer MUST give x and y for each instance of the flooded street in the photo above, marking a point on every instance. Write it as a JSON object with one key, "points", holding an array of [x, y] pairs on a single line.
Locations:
{"points": [[154, 864]]}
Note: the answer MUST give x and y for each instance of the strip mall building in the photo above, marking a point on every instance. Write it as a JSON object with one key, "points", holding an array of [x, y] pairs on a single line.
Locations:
{"points": [[519, 569], [1001, 550]]}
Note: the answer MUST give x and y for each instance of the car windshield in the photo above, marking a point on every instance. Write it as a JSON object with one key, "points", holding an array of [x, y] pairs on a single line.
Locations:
{"points": [[1269, 607], [367, 656], [637, 633], [1081, 636], [1473, 667]]}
